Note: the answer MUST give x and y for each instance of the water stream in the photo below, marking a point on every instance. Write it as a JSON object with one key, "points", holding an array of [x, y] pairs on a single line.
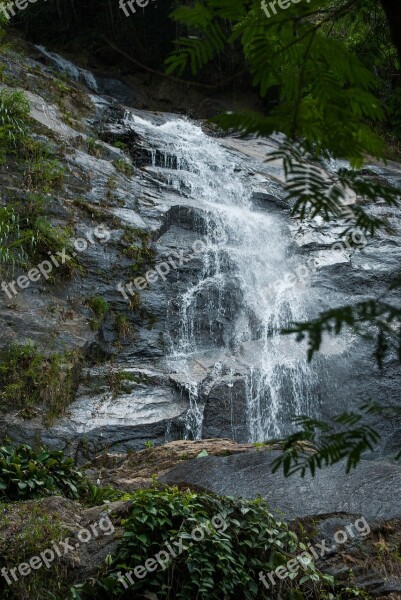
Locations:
{"points": [[230, 317]]}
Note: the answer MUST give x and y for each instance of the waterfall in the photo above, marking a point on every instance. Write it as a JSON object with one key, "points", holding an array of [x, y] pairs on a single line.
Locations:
{"points": [[230, 316]]}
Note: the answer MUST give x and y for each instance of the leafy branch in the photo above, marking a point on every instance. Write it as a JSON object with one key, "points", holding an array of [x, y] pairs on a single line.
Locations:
{"points": [[383, 316], [314, 191], [319, 444]]}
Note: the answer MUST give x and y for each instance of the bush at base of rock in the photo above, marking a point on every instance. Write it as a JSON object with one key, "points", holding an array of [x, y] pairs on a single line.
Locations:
{"points": [[27, 474], [220, 546]]}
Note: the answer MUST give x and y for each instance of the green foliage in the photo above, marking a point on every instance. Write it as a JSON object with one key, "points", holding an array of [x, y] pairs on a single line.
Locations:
{"points": [[138, 247], [32, 381], [50, 239], [325, 96], [312, 191], [121, 145], [100, 307], [243, 539], [347, 436], [26, 236], [27, 530], [123, 167], [45, 175], [14, 243], [94, 148], [14, 115], [123, 326], [117, 381], [93, 495], [325, 92], [26, 474], [384, 317], [194, 50]]}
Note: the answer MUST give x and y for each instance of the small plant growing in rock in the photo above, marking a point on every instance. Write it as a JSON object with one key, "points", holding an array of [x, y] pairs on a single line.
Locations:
{"points": [[26, 236], [45, 175], [62, 87], [100, 307], [14, 117], [123, 166], [138, 247], [117, 381], [123, 326], [120, 145], [27, 530], [94, 148], [93, 495], [112, 182]]}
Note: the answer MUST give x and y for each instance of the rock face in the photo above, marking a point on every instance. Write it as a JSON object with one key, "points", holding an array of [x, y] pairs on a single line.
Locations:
{"points": [[194, 352], [138, 469], [372, 490]]}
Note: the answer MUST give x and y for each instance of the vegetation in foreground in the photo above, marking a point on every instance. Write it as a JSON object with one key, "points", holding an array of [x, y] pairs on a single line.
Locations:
{"points": [[237, 539]]}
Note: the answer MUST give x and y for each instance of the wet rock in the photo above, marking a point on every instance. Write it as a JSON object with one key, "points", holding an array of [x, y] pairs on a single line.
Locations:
{"points": [[371, 490]]}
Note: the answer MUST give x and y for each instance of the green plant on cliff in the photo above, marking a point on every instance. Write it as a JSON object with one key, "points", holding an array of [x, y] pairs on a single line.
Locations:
{"points": [[94, 495], [32, 381], [44, 174], [99, 307], [27, 474], [138, 247], [15, 243], [94, 148], [123, 166], [27, 237], [14, 114]]}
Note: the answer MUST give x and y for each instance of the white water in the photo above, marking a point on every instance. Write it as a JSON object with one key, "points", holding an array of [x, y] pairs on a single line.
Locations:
{"points": [[247, 252]]}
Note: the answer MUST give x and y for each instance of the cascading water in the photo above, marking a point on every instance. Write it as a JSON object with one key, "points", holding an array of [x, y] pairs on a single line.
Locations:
{"points": [[247, 250]]}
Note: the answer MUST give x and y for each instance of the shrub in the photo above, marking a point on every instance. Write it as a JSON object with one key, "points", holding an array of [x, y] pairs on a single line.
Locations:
{"points": [[121, 146], [137, 245], [94, 495], [93, 147], [50, 239], [123, 326], [26, 474], [118, 381], [243, 539], [12, 239]]}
